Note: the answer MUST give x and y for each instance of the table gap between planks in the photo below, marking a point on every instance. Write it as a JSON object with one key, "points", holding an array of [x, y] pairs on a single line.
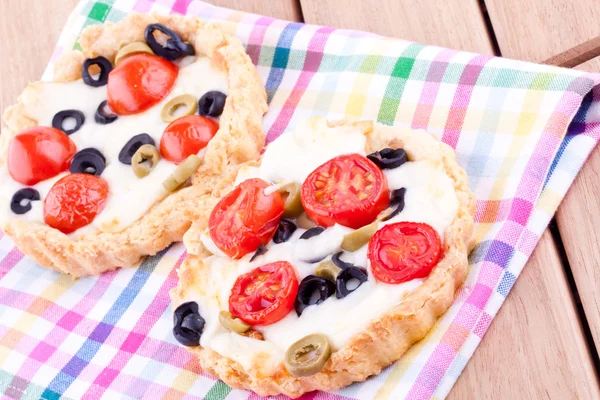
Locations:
{"points": [[535, 348]]}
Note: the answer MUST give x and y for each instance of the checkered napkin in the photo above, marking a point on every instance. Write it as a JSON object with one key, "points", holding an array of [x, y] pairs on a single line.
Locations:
{"points": [[522, 131]]}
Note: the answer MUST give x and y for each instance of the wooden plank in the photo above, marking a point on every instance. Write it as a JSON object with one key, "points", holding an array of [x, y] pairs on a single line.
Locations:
{"points": [[540, 308], [538, 30], [578, 221], [577, 55], [26, 49], [448, 23], [281, 9]]}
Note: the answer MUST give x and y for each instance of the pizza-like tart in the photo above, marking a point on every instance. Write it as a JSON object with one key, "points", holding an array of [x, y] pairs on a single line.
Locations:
{"points": [[96, 166], [327, 260]]}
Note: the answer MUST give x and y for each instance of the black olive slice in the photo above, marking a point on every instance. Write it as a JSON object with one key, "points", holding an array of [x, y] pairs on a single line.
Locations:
{"points": [[345, 276], [212, 104], [175, 46], [338, 261], [396, 201], [105, 68], [284, 231], [388, 158], [310, 285], [132, 146], [188, 324], [88, 161], [61, 116], [259, 252], [104, 115], [21, 200], [312, 232]]}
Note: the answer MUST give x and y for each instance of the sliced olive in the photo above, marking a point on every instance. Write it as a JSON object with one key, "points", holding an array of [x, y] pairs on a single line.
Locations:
{"points": [[259, 252], [105, 68], [183, 172], [312, 232], [22, 199], [88, 161], [328, 270], [345, 277], [144, 160], [212, 104], [104, 114], [293, 204], [132, 146], [187, 101], [304, 222], [131, 49], [339, 262], [60, 117], [231, 323], [308, 355], [397, 204], [188, 324], [357, 239], [284, 231], [312, 290], [174, 48], [388, 158]]}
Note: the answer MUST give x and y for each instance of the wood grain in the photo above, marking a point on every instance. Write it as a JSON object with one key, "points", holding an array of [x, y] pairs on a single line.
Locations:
{"points": [[540, 308], [536, 30], [447, 23], [578, 220], [281, 9]]}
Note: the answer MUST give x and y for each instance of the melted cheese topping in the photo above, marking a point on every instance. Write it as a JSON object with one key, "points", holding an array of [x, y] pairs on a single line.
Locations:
{"points": [[130, 197], [430, 198]]}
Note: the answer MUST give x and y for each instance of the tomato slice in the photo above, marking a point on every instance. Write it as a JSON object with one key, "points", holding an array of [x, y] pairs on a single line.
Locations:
{"points": [[39, 153], [139, 82], [245, 218], [349, 190], [404, 251], [186, 136], [264, 295], [74, 201]]}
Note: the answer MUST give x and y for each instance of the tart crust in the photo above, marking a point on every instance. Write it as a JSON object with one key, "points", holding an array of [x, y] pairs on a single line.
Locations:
{"points": [[240, 138], [384, 340]]}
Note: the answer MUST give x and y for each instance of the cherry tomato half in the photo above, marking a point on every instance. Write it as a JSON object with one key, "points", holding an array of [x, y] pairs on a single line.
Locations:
{"points": [[349, 190], [404, 251], [74, 201], [39, 153], [139, 82], [186, 136], [264, 295], [245, 218]]}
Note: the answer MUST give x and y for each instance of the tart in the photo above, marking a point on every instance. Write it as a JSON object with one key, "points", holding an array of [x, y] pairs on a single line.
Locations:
{"points": [[327, 259], [113, 159]]}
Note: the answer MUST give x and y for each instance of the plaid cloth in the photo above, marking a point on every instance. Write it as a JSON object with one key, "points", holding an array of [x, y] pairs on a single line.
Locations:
{"points": [[522, 132]]}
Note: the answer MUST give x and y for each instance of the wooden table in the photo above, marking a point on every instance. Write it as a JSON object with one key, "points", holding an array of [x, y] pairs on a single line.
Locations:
{"points": [[545, 341]]}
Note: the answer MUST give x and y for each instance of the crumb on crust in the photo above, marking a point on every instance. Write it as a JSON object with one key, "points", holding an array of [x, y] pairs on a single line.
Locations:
{"points": [[386, 339], [240, 139]]}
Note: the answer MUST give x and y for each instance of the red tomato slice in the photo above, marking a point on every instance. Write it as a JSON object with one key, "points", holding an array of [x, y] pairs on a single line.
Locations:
{"points": [[74, 201], [139, 82], [186, 136], [349, 190], [39, 153], [264, 295], [404, 251], [245, 218]]}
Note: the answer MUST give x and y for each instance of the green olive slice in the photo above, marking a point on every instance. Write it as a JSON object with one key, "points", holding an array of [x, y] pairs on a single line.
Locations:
{"points": [[183, 172], [131, 49], [291, 194], [304, 222], [144, 160], [231, 323], [357, 239], [308, 355], [187, 101], [328, 270]]}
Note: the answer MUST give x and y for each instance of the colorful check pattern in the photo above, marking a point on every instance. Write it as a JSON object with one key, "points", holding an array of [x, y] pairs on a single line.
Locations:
{"points": [[521, 131]]}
